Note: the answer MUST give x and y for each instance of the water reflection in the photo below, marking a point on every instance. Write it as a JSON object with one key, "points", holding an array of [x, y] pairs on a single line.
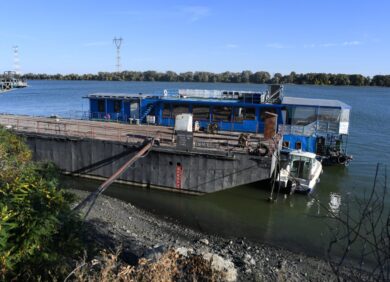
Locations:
{"points": [[240, 212], [313, 202], [334, 203], [296, 222]]}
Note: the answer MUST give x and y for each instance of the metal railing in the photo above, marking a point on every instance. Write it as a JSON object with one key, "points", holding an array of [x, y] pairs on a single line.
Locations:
{"points": [[310, 129], [123, 133], [75, 128]]}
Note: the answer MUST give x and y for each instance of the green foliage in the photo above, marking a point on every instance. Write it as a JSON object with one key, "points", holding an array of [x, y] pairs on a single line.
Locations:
{"points": [[231, 77], [381, 80], [14, 155], [37, 227]]}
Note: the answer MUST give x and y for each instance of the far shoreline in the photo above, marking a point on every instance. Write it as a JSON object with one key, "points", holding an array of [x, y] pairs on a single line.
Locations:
{"points": [[246, 76], [207, 82]]}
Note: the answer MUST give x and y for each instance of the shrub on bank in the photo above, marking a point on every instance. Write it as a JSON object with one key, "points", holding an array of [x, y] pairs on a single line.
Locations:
{"points": [[37, 228], [40, 236]]}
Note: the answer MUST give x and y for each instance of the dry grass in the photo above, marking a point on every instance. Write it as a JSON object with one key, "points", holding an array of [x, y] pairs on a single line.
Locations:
{"points": [[172, 266]]}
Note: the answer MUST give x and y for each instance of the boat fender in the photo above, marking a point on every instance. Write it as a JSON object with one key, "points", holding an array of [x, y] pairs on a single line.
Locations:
{"points": [[342, 159], [263, 150]]}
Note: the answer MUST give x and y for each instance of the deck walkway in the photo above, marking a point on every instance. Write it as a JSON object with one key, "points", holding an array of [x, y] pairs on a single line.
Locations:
{"points": [[113, 131]]}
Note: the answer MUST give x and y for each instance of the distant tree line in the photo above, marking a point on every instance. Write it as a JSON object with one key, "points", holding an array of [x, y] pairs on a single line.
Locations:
{"points": [[232, 77]]}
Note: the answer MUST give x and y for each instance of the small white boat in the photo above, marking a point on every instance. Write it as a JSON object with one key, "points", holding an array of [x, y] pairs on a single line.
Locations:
{"points": [[301, 171]]}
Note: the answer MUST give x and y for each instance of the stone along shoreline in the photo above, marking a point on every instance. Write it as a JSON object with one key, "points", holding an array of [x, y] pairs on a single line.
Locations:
{"points": [[115, 224]]}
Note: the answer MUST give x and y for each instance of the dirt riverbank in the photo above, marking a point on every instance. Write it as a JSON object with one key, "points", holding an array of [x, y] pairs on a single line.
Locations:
{"points": [[115, 224]]}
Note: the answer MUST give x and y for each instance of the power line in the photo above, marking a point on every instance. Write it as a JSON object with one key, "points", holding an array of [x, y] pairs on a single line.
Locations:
{"points": [[118, 43], [16, 60]]}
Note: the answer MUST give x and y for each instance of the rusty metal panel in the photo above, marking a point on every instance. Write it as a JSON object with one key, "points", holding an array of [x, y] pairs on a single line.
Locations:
{"points": [[270, 125]]}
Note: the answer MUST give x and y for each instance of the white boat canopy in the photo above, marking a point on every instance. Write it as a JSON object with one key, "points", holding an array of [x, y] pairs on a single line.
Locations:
{"points": [[317, 115]]}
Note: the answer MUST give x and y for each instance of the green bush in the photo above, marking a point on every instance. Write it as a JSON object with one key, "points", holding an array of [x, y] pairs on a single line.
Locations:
{"points": [[38, 230]]}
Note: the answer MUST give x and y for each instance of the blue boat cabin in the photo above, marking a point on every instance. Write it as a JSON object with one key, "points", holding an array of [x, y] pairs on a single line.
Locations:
{"points": [[314, 125], [311, 125], [230, 114]]}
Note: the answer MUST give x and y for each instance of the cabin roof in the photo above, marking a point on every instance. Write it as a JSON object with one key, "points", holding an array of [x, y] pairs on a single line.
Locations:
{"points": [[121, 96], [198, 99], [300, 153], [216, 102], [314, 102]]}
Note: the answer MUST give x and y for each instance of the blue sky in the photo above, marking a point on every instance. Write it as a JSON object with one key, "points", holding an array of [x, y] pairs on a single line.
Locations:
{"points": [[276, 36]]}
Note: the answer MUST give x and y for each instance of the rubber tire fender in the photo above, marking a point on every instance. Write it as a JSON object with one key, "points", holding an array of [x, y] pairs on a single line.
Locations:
{"points": [[342, 159], [263, 150]]}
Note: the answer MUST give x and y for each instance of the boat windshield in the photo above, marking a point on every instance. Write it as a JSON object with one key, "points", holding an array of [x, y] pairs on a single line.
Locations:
{"points": [[300, 166]]}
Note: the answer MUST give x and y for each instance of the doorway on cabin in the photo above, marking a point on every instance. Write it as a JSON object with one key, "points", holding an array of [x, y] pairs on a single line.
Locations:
{"points": [[134, 109]]}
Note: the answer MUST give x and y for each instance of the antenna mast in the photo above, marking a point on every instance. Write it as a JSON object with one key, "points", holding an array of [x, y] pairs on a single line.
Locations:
{"points": [[118, 43], [16, 60]]}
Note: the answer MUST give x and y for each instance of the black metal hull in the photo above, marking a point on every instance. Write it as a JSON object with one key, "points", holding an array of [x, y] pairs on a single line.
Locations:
{"points": [[167, 168]]}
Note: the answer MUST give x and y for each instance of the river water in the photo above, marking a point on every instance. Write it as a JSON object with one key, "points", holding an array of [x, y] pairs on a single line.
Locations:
{"points": [[294, 222]]}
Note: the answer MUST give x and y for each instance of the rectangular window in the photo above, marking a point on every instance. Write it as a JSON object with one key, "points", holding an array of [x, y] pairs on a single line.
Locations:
{"points": [[288, 115], [117, 106], [134, 109], [286, 144], [166, 111], [329, 114], [241, 114], [178, 109], [222, 113], [201, 112], [344, 117], [101, 106], [303, 115]]}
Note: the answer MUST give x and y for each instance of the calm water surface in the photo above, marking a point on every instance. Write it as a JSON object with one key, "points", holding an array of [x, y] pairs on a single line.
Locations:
{"points": [[293, 222]]}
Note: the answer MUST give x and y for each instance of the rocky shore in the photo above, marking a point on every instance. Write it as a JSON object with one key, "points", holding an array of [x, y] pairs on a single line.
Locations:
{"points": [[114, 224]]}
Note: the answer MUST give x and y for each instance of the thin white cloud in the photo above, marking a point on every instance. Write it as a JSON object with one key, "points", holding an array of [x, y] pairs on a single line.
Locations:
{"points": [[333, 44], [96, 43], [351, 43], [278, 46]]}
